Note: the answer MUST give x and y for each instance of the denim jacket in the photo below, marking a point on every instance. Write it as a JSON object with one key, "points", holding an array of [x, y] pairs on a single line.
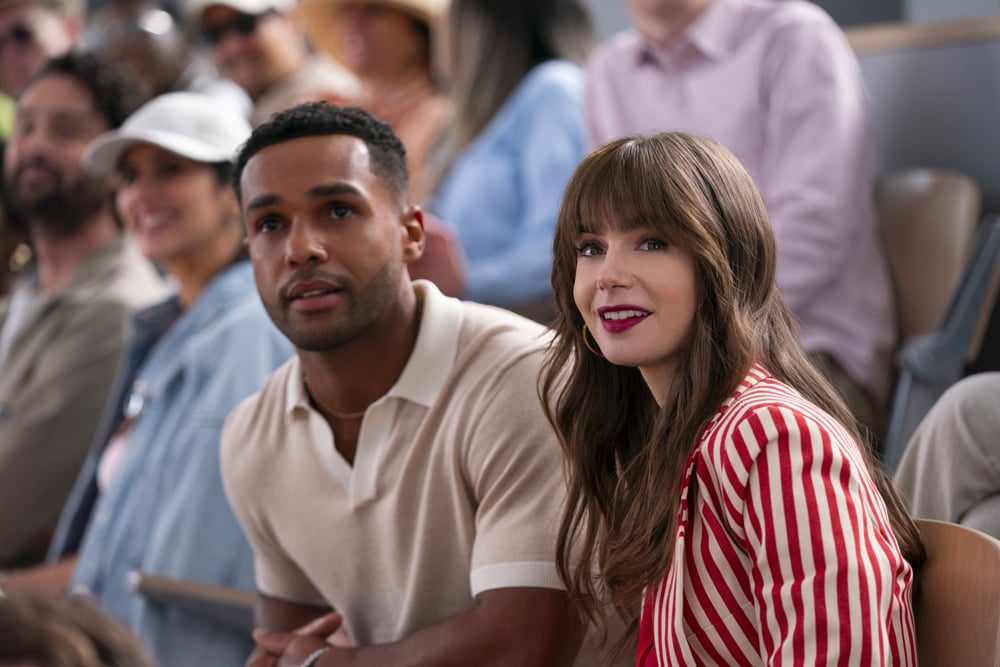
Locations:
{"points": [[165, 511]]}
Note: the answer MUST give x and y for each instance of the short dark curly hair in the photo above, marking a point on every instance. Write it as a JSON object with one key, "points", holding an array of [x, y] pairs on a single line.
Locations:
{"points": [[312, 119], [115, 91]]}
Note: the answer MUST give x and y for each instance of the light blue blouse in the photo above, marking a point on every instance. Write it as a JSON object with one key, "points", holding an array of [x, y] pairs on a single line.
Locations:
{"points": [[165, 511], [503, 192]]}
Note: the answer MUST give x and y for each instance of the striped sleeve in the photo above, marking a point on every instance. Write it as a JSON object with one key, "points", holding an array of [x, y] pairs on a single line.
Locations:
{"points": [[825, 565]]}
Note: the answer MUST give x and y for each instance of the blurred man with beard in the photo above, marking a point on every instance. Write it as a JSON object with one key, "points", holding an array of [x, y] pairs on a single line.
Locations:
{"points": [[64, 326]]}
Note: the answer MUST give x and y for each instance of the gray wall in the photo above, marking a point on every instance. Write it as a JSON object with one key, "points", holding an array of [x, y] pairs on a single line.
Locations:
{"points": [[609, 16], [924, 11], [934, 107], [858, 12]]}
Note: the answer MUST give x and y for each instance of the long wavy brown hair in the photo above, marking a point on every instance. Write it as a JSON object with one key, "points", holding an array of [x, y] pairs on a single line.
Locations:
{"points": [[625, 455]]}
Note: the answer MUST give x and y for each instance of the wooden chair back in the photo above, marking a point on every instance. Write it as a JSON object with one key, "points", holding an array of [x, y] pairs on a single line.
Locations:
{"points": [[958, 600], [928, 219]]}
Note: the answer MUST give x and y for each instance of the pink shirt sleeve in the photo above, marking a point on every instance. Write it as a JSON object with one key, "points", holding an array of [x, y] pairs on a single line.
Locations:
{"points": [[817, 161]]}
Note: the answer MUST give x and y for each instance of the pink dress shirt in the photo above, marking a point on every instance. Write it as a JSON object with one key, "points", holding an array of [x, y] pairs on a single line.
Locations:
{"points": [[776, 83], [784, 554]]}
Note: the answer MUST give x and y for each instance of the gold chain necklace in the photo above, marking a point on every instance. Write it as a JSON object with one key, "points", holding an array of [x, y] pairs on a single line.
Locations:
{"points": [[325, 408]]}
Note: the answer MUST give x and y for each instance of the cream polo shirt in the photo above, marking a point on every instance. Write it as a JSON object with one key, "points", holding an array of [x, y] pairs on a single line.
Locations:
{"points": [[456, 486]]}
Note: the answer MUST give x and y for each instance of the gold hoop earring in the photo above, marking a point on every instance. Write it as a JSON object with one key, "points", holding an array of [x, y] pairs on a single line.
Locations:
{"points": [[593, 348]]}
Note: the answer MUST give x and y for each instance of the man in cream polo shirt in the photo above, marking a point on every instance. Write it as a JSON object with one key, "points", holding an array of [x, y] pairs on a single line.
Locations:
{"points": [[398, 470]]}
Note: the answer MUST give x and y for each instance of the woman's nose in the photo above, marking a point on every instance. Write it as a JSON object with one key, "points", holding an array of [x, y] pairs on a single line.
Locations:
{"points": [[614, 271]]}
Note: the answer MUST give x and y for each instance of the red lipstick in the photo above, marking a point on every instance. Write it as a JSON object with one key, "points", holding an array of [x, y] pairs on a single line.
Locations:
{"points": [[617, 319]]}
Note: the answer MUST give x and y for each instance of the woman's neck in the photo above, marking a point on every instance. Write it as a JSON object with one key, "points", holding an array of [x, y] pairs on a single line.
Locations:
{"points": [[390, 92], [195, 271]]}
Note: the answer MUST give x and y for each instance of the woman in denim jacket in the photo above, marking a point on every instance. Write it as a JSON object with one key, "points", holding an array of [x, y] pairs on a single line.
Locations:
{"points": [[150, 497]]}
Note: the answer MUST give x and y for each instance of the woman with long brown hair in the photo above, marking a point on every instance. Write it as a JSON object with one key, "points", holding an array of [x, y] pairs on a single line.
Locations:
{"points": [[721, 496]]}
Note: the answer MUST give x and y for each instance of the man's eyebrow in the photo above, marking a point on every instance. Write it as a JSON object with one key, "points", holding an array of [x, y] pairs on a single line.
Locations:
{"points": [[317, 192], [60, 115], [262, 201], [334, 189], [73, 115]]}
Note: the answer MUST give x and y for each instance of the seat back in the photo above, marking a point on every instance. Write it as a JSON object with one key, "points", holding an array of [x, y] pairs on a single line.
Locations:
{"points": [[930, 363], [230, 607], [957, 605], [928, 219]]}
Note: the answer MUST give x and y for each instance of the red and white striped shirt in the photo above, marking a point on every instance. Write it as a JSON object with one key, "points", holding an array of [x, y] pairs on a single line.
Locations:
{"points": [[784, 552]]}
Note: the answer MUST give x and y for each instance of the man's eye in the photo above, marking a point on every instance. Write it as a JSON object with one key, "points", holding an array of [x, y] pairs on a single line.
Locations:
{"points": [[23, 128], [339, 210], [69, 132], [268, 225]]}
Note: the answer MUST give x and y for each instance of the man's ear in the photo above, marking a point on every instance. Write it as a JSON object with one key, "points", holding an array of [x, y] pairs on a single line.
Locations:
{"points": [[414, 237]]}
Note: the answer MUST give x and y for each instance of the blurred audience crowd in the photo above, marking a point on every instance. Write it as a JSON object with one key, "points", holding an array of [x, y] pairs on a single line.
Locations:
{"points": [[130, 320]]}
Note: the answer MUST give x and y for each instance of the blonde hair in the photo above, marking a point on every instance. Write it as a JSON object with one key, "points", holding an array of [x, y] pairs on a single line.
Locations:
{"points": [[67, 632], [621, 515]]}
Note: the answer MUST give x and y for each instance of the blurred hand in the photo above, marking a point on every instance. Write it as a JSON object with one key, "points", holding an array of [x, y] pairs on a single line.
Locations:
{"points": [[276, 649]]}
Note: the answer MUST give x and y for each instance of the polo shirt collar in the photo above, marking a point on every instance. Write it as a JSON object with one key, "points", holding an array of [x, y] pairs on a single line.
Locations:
{"points": [[433, 356], [430, 363]]}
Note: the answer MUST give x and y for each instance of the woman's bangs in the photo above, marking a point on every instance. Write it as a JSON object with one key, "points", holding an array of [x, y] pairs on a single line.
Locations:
{"points": [[615, 194]]}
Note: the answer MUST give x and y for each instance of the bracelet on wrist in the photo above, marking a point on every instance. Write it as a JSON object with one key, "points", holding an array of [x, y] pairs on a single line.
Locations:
{"points": [[313, 657]]}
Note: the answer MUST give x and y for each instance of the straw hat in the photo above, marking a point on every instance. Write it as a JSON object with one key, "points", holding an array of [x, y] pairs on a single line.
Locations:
{"points": [[319, 18]]}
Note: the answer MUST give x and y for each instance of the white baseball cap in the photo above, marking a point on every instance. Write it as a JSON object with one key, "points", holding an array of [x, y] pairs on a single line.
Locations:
{"points": [[192, 125], [193, 9]]}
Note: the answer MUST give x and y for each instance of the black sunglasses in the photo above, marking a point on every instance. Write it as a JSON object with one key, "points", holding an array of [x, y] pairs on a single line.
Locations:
{"points": [[243, 24], [20, 35]]}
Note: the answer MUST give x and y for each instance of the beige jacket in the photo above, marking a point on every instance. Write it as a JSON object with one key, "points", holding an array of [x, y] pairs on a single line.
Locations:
{"points": [[53, 385]]}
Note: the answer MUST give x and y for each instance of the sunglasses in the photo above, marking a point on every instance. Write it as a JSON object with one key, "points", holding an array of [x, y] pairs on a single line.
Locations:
{"points": [[20, 36], [243, 24]]}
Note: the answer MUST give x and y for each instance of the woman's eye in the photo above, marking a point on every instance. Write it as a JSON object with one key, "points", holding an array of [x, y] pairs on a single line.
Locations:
{"points": [[587, 249], [652, 244], [128, 177], [171, 169]]}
